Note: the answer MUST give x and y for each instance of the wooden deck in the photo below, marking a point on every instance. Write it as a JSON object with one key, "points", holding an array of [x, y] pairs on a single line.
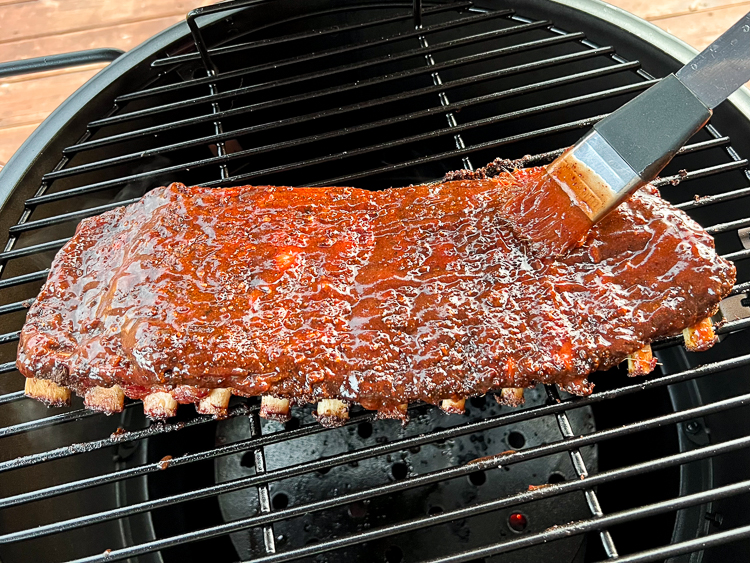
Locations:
{"points": [[31, 28]]}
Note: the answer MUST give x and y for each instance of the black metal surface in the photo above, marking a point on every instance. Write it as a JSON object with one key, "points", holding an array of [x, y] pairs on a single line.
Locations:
{"points": [[410, 454], [372, 94], [52, 62]]}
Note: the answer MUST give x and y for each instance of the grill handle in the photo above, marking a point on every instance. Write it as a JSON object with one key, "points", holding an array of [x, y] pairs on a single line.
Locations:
{"points": [[52, 62]]}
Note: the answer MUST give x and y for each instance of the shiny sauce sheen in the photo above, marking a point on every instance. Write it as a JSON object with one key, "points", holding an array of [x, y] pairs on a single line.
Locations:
{"points": [[380, 298]]}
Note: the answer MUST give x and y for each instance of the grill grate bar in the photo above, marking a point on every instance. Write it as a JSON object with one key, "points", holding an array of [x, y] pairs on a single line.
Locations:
{"points": [[444, 101], [215, 96], [689, 546], [264, 497], [175, 59], [91, 188], [13, 307], [35, 249], [544, 63], [411, 53], [569, 126], [518, 416], [503, 141], [521, 47], [737, 256], [7, 367], [717, 142], [24, 278], [340, 132], [711, 199], [11, 397], [424, 479], [729, 226], [440, 475], [218, 131], [354, 107], [323, 463], [153, 430], [10, 337], [700, 173], [590, 525], [66, 217], [592, 500], [452, 129], [40, 423], [740, 288], [344, 68], [516, 499]]}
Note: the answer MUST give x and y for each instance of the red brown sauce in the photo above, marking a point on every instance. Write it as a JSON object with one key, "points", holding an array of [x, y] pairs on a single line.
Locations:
{"points": [[379, 298], [547, 216]]}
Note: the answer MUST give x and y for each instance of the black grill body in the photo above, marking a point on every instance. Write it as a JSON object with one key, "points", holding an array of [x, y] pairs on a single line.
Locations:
{"points": [[353, 93]]}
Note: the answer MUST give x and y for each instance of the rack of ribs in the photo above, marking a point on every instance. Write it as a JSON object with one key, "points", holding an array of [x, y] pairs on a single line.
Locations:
{"points": [[339, 295]]}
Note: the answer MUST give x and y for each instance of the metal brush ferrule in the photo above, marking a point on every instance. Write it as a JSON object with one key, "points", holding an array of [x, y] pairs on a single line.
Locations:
{"points": [[595, 175]]}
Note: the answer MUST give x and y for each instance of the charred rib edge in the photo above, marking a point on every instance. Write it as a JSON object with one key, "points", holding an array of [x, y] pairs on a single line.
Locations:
{"points": [[48, 392], [510, 396], [700, 336], [105, 399], [641, 362], [273, 408], [159, 405], [215, 403], [453, 406]]}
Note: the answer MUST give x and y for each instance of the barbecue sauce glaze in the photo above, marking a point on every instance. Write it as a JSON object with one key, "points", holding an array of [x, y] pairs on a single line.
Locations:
{"points": [[380, 298]]}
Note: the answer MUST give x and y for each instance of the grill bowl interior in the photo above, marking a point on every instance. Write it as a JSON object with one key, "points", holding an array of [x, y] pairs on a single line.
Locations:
{"points": [[346, 107]]}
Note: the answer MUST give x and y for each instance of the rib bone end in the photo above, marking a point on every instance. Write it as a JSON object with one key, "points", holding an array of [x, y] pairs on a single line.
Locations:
{"points": [[48, 392], [699, 337], [510, 396], [159, 405], [641, 362], [273, 408], [215, 403], [453, 406], [332, 412], [105, 399]]}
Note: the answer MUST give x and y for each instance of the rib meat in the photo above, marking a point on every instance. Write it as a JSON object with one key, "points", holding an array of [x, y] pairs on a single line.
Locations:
{"points": [[378, 298]]}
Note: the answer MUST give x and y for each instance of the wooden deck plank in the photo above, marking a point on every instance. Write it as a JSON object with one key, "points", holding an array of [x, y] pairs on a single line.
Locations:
{"points": [[29, 101], [31, 28], [120, 36], [11, 138], [71, 25], [25, 102], [700, 29], [32, 20], [651, 11]]}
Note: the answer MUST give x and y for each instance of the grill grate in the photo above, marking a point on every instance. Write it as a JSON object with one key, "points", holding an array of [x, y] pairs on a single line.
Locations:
{"points": [[370, 95]]}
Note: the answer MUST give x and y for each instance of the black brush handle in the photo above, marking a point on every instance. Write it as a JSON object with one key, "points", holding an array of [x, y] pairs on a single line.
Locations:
{"points": [[649, 130]]}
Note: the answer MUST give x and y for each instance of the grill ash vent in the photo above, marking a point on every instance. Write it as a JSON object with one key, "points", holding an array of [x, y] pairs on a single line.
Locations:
{"points": [[374, 94]]}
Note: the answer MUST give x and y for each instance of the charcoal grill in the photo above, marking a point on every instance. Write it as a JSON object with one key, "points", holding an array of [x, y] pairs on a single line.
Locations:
{"points": [[375, 94]]}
